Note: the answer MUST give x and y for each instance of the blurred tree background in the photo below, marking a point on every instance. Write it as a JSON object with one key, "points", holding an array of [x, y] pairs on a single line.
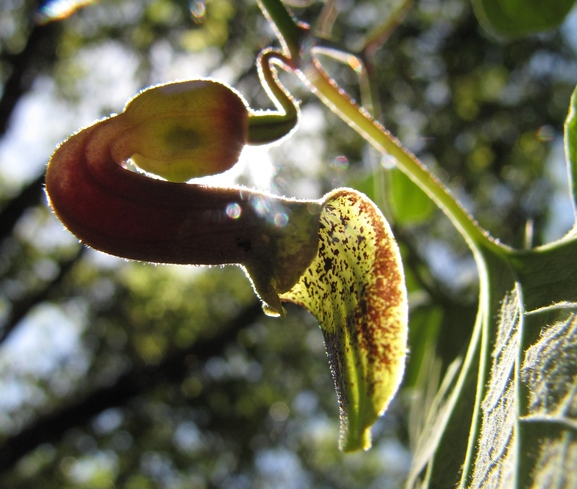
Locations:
{"points": [[127, 375]]}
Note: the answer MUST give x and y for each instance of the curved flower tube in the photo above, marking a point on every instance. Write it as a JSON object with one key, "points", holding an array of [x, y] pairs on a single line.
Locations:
{"points": [[130, 215]]}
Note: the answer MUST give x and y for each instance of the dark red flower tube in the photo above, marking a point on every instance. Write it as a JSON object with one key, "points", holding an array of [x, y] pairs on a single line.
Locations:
{"points": [[130, 215]]}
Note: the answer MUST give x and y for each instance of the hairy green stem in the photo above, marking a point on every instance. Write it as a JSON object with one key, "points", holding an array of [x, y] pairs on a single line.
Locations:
{"points": [[338, 101], [267, 126], [357, 64], [287, 28], [313, 75]]}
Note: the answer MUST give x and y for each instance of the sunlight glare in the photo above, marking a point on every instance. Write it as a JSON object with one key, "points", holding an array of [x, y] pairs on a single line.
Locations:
{"points": [[52, 10]]}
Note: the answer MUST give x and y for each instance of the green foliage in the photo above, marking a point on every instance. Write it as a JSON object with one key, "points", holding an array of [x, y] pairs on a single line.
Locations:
{"points": [[513, 18], [520, 371], [571, 147], [488, 404], [409, 204]]}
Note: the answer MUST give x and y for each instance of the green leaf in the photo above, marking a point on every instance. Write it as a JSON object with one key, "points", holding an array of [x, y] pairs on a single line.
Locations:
{"points": [[548, 425], [513, 398], [441, 454], [423, 336], [549, 275], [571, 147], [409, 204], [495, 460], [515, 18], [529, 425], [506, 415], [355, 288]]}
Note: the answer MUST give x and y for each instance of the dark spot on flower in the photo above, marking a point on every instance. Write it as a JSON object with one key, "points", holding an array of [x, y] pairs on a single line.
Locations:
{"points": [[328, 264]]}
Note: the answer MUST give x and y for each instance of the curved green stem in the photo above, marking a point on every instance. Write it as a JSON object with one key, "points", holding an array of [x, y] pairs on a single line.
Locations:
{"points": [[386, 143], [357, 64], [287, 28], [266, 126], [338, 101], [313, 75]]}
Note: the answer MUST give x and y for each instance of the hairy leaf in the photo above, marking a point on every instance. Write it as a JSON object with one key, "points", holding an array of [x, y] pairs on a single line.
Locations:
{"points": [[523, 424], [548, 421], [495, 458], [441, 455], [514, 395]]}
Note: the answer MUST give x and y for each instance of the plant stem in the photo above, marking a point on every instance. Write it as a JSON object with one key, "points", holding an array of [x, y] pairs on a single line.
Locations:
{"points": [[376, 38], [340, 103], [286, 27], [314, 76], [267, 126]]}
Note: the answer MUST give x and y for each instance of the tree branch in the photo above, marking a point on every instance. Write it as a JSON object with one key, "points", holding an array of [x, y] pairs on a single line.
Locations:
{"points": [[21, 308], [28, 197], [173, 369], [39, 51]]}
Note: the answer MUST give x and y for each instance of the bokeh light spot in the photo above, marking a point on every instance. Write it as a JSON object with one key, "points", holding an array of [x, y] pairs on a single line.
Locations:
{"points": [[281, 220], [546, 133], [198, 11], [233, 210], [340, 163], [279, 411]]}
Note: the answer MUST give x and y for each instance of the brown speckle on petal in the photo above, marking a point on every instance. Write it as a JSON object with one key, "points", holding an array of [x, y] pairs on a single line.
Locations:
{"points": [[355, 288]]}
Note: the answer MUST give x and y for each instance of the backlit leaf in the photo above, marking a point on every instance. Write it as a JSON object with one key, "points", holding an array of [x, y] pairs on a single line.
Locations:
{"points": [[518, 384], [513, 18], [409, 204], [571, 147]]}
